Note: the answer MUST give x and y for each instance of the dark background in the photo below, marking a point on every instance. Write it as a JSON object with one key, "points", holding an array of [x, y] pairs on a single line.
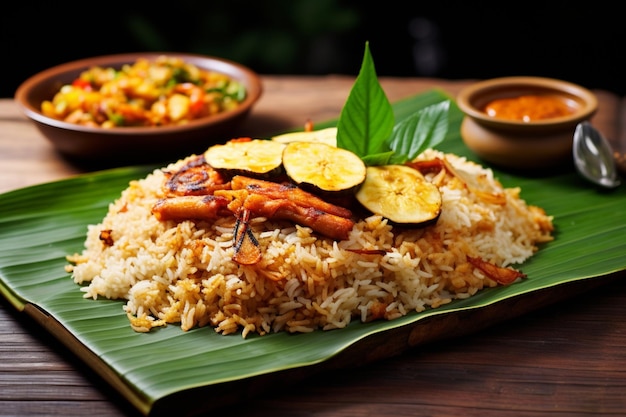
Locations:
{"points": [[448, 39]]}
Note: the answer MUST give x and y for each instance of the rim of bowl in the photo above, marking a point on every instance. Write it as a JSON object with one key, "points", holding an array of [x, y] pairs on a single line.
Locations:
{"points": [[512, 86], [61, 73]]}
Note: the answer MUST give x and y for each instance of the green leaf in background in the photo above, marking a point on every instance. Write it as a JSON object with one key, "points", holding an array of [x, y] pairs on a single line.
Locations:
{"points": [[366, 119], [200, 369]]}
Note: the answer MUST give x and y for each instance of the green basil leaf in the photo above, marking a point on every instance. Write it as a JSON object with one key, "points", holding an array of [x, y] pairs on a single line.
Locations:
{"points": [[424, 129], [366, 120], [383, 158]]}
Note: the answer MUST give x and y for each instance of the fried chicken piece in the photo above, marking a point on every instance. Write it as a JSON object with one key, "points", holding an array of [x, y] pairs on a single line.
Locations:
{"points": [[247, 248], [289, 192], [327, 224], [209, 207]]}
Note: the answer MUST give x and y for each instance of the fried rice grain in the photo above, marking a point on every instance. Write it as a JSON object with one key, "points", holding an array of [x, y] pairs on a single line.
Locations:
{"points": [[182, 273]]}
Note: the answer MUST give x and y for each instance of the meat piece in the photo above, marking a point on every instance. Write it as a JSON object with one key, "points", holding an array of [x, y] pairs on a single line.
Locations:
{"points": [[207, 207], [287, 191], [327, 224], [196, 177], [247, 249]]}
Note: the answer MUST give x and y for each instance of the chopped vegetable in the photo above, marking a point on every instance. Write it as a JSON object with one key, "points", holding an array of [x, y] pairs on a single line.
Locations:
{"points": [[319, 166], [400, 194], [165, 91], [254, 157]]}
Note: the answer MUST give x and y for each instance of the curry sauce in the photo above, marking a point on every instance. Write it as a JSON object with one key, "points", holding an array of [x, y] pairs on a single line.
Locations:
{"points": [[528, 108]]}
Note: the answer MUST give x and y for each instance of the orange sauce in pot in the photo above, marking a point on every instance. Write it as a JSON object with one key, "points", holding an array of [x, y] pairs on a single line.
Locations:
{"points": [[528, 107]]}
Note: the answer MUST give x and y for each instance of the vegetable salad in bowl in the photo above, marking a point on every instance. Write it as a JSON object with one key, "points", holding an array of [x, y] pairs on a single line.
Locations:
{"points": [[165, 91]]}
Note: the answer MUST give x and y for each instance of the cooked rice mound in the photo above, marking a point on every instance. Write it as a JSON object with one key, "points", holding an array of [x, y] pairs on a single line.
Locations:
{"points": [[182, 272]]}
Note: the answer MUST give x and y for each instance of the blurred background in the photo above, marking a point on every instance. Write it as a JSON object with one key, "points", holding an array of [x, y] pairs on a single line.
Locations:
{"points": [[447, 39]]}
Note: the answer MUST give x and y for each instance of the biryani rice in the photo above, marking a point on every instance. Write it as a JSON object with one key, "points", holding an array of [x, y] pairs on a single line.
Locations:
{"points": [[182, 272]]}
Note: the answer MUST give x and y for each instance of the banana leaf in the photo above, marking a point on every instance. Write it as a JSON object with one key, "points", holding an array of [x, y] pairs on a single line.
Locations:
{"points": [[169, 369]]}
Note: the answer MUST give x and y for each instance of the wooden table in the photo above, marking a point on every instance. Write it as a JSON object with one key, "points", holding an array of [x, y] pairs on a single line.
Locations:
{"points": [[565, 359]]}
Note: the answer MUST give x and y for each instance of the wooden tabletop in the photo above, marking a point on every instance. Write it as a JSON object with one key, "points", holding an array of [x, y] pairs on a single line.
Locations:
{"points": [[565, 359]]}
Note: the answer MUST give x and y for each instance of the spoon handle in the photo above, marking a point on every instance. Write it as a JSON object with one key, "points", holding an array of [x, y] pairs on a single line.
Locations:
{"points": [[619, 152], [618, 142]]}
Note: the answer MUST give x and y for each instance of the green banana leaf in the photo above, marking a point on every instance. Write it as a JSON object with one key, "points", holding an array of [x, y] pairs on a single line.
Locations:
{"points": [[199, 369]]}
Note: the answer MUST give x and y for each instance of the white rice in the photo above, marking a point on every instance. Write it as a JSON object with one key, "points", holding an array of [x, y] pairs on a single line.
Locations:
{"points": [[182, 272]]}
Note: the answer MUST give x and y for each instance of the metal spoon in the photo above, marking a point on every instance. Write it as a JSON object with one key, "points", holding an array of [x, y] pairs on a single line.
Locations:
{"points": [[593, 156]]}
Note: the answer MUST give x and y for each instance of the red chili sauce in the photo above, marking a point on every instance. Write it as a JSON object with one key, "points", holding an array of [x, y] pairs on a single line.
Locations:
{"points": [[528, 107]]}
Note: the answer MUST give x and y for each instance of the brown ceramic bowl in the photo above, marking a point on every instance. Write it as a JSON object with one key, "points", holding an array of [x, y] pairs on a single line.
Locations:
{"points": [[518, 144], [133, 144]]}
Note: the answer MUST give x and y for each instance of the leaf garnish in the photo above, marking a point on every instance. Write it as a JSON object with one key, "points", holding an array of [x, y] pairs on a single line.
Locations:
{"points": [[366, 123], [366, 120], [425, 129]]}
